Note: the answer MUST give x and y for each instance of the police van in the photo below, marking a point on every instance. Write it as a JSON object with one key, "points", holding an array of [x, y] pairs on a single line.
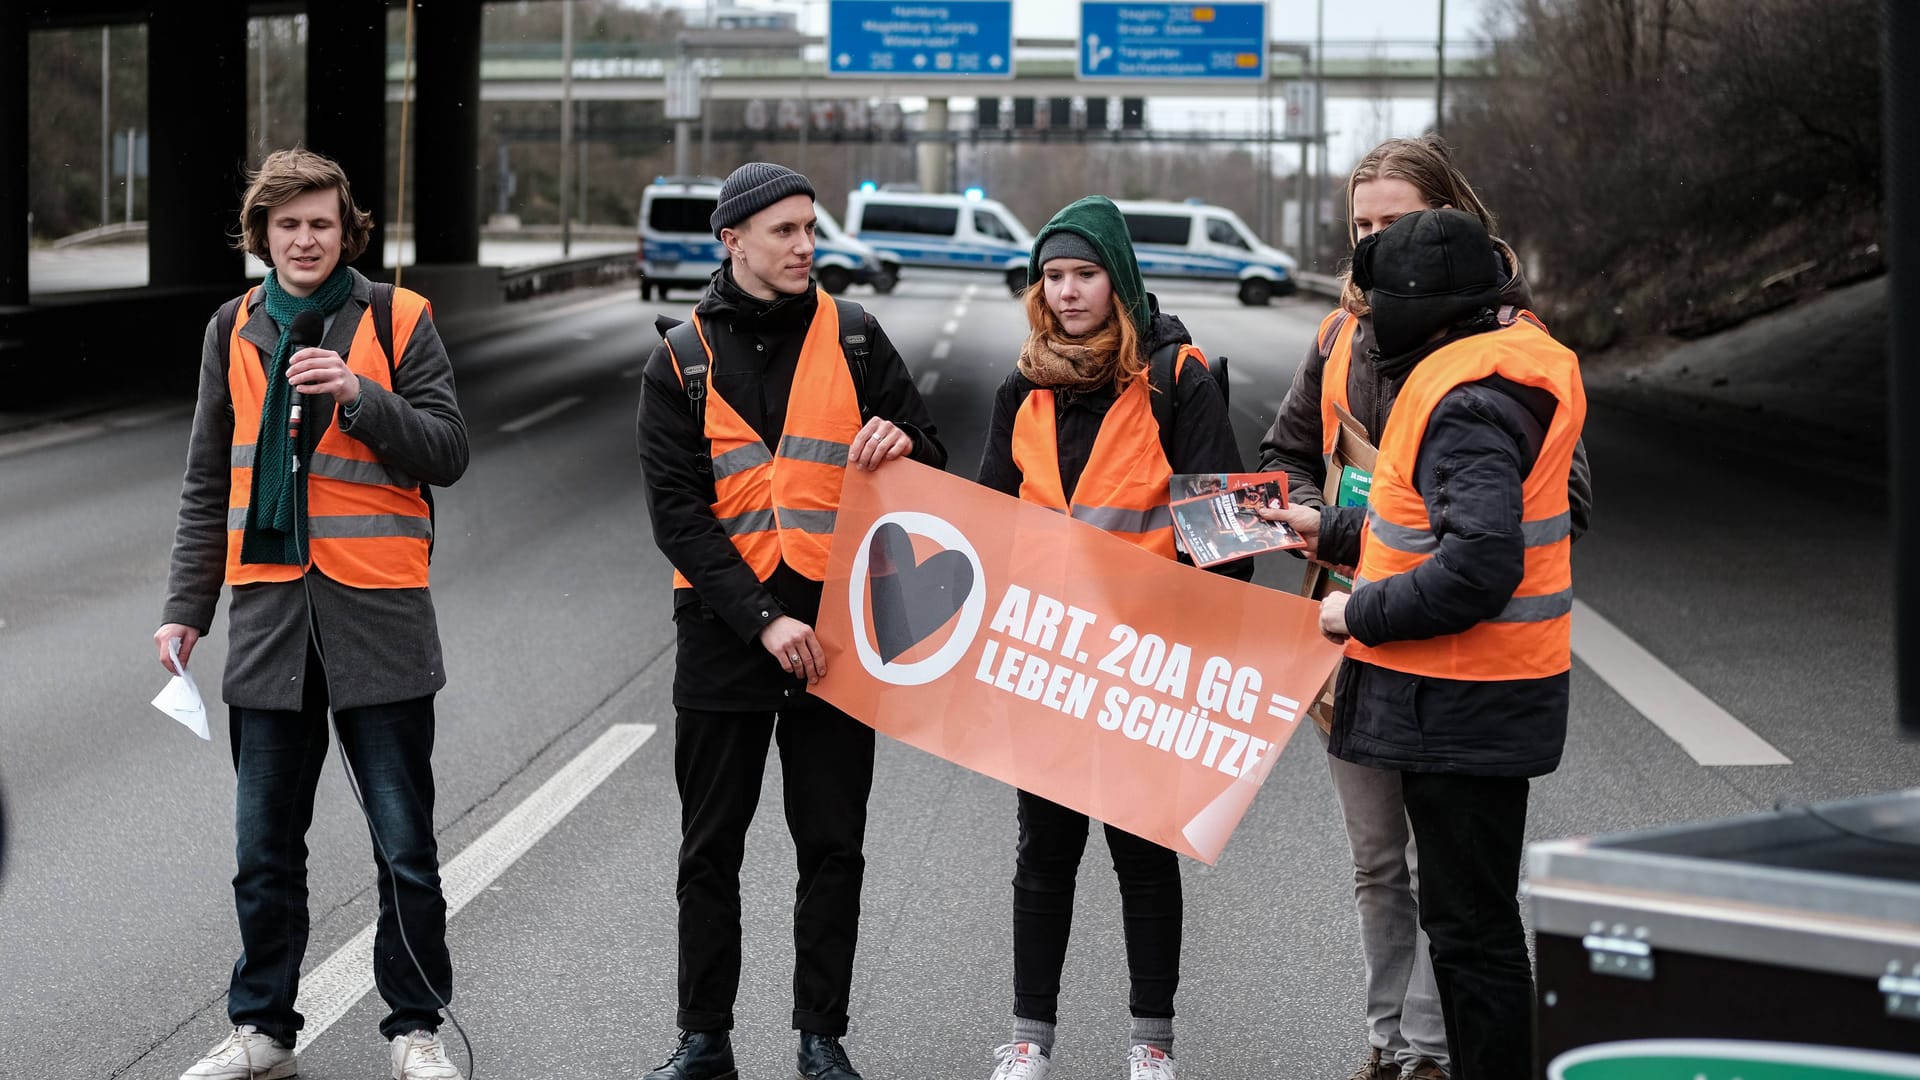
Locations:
{"points": [[1194, 240], [678, 250], [947, 232]]}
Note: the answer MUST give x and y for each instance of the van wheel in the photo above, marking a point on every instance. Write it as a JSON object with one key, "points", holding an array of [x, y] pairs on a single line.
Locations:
{"points": [[835, 279], [662, 290], [646, 292], [1255, 292], [1017, 280], [889, 277]]}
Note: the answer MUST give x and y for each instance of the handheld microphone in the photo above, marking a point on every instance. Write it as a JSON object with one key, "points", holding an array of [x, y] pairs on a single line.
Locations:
{"points": [[307, 328]]}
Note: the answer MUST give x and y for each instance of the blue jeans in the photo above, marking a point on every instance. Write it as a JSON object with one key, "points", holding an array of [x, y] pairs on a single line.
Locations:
{"points": [[278, 757]]}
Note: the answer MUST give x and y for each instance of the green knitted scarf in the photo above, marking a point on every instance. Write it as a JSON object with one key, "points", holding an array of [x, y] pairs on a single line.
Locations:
{"points": [[276, 530]]}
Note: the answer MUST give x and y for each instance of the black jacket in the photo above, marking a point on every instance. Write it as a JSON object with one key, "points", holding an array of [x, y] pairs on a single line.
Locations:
{"points": [[1201, 441], [1481, 441], [756, 350]]}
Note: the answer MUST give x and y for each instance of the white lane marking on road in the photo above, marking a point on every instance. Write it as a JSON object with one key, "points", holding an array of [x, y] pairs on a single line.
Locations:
{"points": [[347, 976], [927, 382], [959, 313], [951, 327], [970, 291], [941, 348], [633, 372], [1703, 729], [543, 413]]}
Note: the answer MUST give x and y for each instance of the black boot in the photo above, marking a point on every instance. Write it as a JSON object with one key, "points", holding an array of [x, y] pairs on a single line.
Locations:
{"points": [[821, 1058], [701, 1055]]}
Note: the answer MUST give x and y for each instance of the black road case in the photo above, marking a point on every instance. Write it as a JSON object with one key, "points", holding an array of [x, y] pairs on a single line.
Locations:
{"points": [[1783, 946]]}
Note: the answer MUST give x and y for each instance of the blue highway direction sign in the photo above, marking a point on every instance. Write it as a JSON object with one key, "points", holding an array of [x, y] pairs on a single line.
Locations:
{"points": [[1173, 41], [898, 39]]}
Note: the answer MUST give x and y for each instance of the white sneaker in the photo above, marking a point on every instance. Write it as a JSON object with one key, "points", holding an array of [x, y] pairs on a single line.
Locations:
{"points": [[1020, 1061], [1149, 1063], [245, 1055], [421, 1055]]}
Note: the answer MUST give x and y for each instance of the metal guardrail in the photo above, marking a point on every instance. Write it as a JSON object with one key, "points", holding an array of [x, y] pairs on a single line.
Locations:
{"points": [[1325, 285], [526, 282]]}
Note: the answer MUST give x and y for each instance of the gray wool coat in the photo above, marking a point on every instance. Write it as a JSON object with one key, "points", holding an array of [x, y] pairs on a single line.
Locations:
{"points": [[380, 645]]}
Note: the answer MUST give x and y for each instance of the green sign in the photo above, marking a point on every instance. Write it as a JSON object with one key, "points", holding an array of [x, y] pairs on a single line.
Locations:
{"points": [[1728, 1059]]}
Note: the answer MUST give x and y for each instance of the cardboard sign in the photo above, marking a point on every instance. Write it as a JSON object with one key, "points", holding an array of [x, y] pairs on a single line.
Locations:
{"points": [[1043, 652]]}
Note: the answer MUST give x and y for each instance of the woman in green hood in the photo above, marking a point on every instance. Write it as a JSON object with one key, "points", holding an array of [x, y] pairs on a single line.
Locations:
{"points": [[1086, 375]]}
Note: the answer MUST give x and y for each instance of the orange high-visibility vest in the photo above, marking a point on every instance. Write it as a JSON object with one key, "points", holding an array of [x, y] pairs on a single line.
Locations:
{"points": [[1531, 638], [1341, 325], [368, 526], [781, 506], [1123, 488], [1333, 376]]}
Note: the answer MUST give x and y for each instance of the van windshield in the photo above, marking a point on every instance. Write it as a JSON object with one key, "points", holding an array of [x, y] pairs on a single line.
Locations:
{"points": [[988, 223], [681, 214], [1221, 231]]}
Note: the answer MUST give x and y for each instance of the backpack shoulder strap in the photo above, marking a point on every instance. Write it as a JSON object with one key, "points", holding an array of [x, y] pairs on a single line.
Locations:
{"points": [[382, 307], [689, 356], [1510, 314], [1163, 376], [223, 321], [857, 346]]}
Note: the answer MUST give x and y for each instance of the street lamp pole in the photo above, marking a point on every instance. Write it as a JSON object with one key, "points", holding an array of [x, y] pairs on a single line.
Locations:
{"points": [[566, 127], [1440, 76]]}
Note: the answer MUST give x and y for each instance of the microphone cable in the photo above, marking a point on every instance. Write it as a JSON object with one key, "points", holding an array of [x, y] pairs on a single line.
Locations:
{"points": [[386, 859]]}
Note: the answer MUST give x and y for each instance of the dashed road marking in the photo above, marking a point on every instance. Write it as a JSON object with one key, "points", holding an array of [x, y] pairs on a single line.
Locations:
{"points": [[544, 413], [1702, 728]]}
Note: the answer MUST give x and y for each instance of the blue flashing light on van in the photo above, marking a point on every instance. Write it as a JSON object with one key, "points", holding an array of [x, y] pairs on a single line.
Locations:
{"points": [[945, 232], [1194, 240], [677, 248]]}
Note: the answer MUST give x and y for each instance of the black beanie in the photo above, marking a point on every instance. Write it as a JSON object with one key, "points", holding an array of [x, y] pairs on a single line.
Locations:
{"points": [[752, 188], [1425, 274]]}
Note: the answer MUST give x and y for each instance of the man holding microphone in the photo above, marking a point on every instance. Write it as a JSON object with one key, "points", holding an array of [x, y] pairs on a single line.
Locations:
{"points": [[326, 407]]}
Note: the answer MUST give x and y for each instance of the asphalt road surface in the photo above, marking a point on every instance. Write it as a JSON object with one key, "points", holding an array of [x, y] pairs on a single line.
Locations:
{"points": [[1759, 579]]}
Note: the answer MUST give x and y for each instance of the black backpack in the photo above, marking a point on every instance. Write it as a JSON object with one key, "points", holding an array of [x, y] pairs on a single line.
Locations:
{"points": [[683, 339], [1163, 376]]}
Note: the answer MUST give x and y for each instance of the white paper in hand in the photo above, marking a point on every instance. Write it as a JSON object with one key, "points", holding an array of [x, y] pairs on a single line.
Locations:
{"points": [[180, 698]]}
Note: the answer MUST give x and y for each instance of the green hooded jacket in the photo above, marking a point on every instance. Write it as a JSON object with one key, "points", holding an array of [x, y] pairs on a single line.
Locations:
{"points": [[1098, 221]]}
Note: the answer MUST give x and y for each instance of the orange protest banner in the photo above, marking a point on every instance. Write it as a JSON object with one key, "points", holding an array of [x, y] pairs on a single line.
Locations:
{"points": [[1043, 652]]}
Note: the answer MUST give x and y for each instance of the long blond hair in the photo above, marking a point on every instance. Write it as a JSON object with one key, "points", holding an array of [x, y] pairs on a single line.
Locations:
{"points": [[1118, 336], [1427, 164]]}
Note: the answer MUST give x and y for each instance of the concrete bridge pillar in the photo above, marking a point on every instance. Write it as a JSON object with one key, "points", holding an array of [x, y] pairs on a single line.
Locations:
{"points": [[347, 107], [935, 153], [197, 112]]}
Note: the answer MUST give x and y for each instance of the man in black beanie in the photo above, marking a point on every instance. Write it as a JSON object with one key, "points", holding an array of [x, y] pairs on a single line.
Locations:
{"points": [[1457, 631], [772, 389]]}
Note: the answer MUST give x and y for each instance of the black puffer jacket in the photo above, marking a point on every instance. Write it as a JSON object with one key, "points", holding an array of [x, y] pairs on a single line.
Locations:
{"points": [[1201, 441], [1293, 444], [756, 351], [1481, 442]]}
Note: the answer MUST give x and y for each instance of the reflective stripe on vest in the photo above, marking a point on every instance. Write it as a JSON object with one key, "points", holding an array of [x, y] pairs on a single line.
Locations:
{"points": [[780, 505], [367, 524], [1530, 637], [1123, 488]]}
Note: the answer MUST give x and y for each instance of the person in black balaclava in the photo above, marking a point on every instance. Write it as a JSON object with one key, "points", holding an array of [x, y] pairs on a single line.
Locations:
{"points": [[1457, 631]]}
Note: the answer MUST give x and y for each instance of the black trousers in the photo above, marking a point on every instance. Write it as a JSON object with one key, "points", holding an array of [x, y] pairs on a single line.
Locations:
{"points": [[1470, 831], [1052, 839], [826, 765]]}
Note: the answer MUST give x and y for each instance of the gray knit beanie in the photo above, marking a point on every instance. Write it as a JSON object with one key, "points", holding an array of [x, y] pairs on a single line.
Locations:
{"points": [[1067, 244], [752, 188]]}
